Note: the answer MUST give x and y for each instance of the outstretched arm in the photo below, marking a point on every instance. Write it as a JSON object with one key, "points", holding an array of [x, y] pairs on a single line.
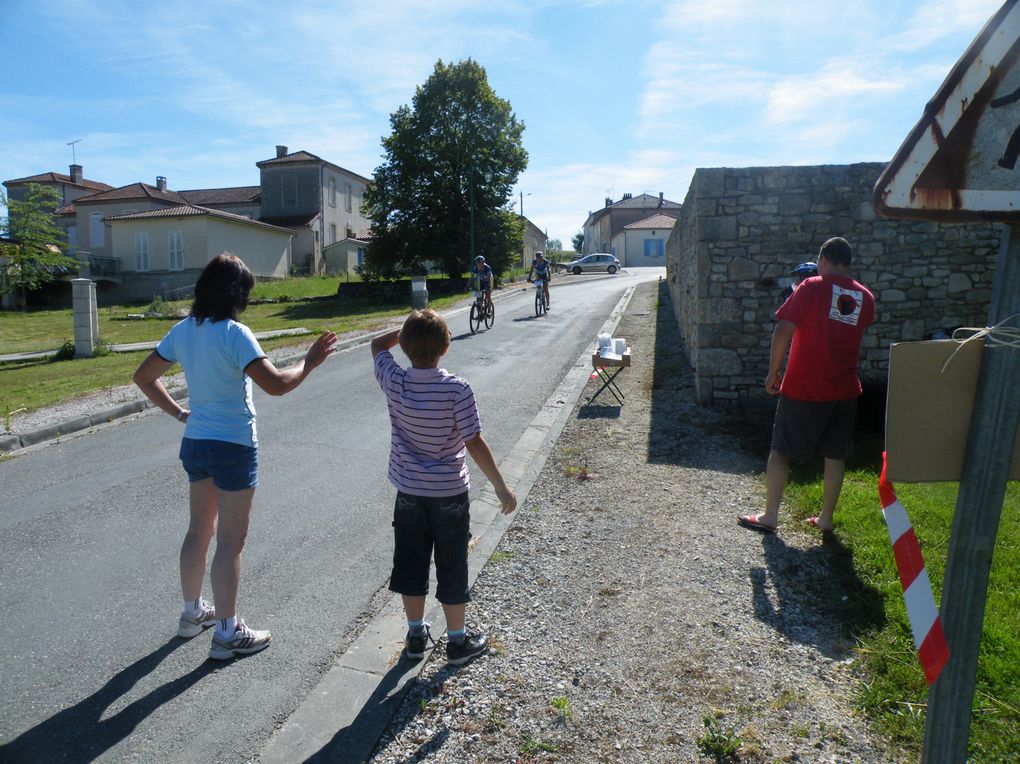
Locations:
{"points": [[281, 381], [482, 455]]}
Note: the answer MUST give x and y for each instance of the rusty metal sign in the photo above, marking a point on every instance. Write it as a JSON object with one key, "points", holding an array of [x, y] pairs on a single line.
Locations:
{"points": [[962, 160]]}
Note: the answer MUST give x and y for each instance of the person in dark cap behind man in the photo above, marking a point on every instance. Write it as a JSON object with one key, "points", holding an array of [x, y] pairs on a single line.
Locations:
{"points": [[824, 319], [801, 272]]}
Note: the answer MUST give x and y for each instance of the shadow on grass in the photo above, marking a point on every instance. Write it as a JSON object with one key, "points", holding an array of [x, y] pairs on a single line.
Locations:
{"points": [[818, 597]]}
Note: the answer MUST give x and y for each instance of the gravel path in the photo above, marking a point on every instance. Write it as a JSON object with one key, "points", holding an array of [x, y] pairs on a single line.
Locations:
{"points": [[625, 605]]}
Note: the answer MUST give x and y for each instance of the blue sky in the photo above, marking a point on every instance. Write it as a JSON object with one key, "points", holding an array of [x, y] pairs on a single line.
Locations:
{"points": [[616, 97]]}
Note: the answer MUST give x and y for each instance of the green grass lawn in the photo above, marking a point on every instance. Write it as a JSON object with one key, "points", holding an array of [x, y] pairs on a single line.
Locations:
{"points": [[35, 384], [894, 692]]}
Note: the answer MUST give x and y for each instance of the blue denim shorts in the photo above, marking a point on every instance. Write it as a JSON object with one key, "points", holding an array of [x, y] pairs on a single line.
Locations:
{"points": [[231, 466]]}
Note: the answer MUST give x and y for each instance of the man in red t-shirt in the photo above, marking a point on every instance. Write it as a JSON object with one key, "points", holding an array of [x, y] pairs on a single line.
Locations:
{"points": [[824, 318]]}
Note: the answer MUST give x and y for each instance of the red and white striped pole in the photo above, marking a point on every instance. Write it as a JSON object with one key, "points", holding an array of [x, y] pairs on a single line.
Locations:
{"points": [[929, 640]]}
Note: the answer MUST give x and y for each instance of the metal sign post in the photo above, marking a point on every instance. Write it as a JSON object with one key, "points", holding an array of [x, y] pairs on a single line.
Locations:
{"points": [[993, 429], [960, 163]]}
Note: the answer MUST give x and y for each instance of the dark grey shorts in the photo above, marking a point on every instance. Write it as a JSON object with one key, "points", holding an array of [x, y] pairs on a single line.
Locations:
{"points": [[421, 525], [803, 427]]}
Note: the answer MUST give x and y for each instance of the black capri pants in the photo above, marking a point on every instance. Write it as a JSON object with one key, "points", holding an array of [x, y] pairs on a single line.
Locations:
{"points": [[421, 525]]}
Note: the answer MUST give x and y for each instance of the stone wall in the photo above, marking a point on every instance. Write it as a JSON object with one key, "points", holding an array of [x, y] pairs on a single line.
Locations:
{"points": [[740, 232]]}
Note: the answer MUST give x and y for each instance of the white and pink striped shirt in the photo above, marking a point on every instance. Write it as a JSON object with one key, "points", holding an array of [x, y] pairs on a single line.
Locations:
{"points": [[432, 414]]}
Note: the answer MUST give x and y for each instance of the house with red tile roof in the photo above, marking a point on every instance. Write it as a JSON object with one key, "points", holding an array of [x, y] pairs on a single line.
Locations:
{"points": [[139, 240], [603, 226], [644, 242]]}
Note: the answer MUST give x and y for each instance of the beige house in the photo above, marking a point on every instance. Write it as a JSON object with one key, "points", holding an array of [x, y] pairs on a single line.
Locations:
{"points": [[644, 242], [602, 226], [534, 241], [70, 187], [318, 200], [344, 256], [162, 251]]}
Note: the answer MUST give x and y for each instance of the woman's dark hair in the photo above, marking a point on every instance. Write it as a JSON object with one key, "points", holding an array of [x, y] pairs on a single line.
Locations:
{"points": [[223, 289]]}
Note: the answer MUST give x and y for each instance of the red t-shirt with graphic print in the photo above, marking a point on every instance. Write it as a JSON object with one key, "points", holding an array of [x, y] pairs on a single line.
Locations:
{"points": [[831, 314]]}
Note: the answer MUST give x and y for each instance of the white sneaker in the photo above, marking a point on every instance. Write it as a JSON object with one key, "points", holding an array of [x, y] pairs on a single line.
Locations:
{"points": [[244, 642], [193, 625]]}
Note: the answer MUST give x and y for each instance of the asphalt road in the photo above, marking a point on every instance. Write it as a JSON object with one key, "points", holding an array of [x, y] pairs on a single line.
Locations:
{"points": [[90, 528]]}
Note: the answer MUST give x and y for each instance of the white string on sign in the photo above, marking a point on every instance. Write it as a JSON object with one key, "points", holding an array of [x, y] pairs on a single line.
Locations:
{"points": [[999, 335]]}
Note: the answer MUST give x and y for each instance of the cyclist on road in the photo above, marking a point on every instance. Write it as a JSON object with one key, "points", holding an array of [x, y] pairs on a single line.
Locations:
{"points": [[540, 269], [483, 272]]}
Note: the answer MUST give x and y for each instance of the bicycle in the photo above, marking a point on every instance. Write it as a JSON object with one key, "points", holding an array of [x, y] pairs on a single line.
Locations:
{"points": [[541, 300], [481, 310]]}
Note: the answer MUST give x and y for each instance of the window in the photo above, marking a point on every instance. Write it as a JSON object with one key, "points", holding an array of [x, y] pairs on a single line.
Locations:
{"points": [[347, 197], [654, 248], [72, 239], [289, 190], [175, 246], [332, 233], [142, 251], [97, 236], [332, 192]]}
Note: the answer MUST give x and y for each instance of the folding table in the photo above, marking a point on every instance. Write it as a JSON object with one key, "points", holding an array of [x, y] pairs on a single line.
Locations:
{"points": [[600, 363]]}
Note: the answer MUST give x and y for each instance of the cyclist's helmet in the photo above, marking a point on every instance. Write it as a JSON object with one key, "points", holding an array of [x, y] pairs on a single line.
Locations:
{"points": [[480, 259], [539, 253]]}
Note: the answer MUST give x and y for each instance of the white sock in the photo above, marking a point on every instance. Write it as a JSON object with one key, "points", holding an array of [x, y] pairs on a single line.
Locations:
{"points": [[225, 627], [192, 607]]}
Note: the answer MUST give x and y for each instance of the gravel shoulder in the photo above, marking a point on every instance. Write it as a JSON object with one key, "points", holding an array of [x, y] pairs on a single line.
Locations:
{"points": [[625, 605]]}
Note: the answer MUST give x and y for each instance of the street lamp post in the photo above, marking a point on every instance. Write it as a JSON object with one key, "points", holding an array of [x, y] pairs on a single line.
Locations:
{"points": [[524, 245]]}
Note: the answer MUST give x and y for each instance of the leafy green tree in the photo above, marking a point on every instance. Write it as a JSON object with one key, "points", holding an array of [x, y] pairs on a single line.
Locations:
{"points": [[578, 242], [455, 151], [553, 245], [38, 252]]}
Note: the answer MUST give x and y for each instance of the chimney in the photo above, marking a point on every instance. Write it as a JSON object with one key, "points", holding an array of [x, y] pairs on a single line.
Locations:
{"points": [[161, 182], [281, 151], [609, 202], [76, 174], [627, 196], [661, 201]]}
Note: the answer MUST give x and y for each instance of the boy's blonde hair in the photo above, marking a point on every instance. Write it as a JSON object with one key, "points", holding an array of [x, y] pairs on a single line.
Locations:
{"points": [[424, 337]]}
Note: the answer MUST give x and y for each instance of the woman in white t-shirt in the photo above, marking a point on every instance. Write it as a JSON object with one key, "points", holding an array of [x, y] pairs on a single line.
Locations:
{"points": [[219, 450]]}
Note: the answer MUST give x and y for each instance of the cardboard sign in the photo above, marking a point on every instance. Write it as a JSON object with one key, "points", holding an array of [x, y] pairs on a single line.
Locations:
{"points": [[928, 410]]}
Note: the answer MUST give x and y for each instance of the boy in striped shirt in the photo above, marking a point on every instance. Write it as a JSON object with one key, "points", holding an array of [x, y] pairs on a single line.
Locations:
{"points": [[433, 422]]}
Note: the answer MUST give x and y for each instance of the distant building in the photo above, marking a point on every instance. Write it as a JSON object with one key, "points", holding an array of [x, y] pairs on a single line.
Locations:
{"points": [[644, 242], [603, 227], [139, 240], [534, 241]]}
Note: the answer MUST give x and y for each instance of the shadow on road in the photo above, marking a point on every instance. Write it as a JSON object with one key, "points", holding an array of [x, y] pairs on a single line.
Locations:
{"points": [[819, 599], [79, 733]]}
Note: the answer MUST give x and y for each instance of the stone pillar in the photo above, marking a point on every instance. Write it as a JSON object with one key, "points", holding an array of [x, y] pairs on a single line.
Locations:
{"points": [[95, 313], [83, 298], [419, 293]]}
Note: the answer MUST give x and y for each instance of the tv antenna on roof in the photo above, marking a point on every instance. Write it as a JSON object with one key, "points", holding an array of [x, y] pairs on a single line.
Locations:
{"points": [[74, 159]]}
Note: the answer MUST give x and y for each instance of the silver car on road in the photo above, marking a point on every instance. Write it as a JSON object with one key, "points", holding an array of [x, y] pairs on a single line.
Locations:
{"points": [[597, 262]]}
